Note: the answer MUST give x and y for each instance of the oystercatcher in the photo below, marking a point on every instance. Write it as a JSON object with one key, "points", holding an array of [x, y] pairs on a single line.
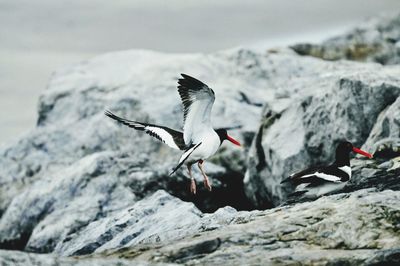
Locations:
{"points": [[317, 181], [198, 140]]}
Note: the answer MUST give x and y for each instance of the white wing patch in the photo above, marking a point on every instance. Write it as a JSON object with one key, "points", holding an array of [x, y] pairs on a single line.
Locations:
{"points": [[326, 177], [346, 169], [197, 119], [324, 189], [164, 136]]}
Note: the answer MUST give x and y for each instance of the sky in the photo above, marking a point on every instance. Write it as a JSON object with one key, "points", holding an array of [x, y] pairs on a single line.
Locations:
{"points": [[37, 37]]}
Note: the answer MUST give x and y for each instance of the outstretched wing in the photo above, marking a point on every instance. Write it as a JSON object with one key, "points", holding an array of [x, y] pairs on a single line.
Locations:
{"points": [[171, 137], [197, 99]]}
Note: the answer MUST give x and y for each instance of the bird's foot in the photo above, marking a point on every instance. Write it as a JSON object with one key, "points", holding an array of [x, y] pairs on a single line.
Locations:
{"points": [[193, 186], [207, 183]]}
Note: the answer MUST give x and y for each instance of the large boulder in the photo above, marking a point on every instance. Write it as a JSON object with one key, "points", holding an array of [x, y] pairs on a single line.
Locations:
{"points": [[326, 109]]}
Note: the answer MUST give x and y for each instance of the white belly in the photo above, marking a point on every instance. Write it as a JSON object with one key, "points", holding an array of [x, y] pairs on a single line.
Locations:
{"points": [[209, 146], [323, 189]]}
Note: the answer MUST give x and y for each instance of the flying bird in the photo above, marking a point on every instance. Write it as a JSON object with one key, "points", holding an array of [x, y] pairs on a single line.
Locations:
{"points": [[316, 181], [199, 140]]}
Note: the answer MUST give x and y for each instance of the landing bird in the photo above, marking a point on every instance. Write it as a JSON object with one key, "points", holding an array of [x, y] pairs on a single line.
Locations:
{"points": [[199, 140], [317, 181]]}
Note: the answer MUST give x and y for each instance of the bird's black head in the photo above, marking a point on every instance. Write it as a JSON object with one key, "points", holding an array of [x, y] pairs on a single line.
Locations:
{"points": [[343, 152], [223, 135], [344, 147]]}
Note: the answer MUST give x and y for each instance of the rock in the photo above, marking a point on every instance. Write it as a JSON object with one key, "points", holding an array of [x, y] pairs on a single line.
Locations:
{"points": [[345, 228], [17, 258], [376, 40], [384, 138], [64, 202], [327, 109], [158, 218], [372, 175]]}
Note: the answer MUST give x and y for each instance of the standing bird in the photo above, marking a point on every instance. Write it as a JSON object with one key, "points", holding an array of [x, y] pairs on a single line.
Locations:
{"points": [[317, 181], [199, 140]]}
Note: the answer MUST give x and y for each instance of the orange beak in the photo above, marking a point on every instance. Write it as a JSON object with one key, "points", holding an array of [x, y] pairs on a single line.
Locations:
{"points": [[359, 151]]}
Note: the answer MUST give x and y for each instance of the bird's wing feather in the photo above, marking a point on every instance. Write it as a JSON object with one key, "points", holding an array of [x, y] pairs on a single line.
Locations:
{"points": [[295, 176], [197, 99], [172, 138], [317, 175]]}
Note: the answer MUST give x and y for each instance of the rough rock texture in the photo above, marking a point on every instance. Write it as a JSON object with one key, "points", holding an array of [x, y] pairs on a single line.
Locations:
{"points": [[17, 258], [385, 135], [79, 184], [377, 40], [351, 229], [158, 218], [343, 104], [380, 174], [358, 228], [62, 203]]}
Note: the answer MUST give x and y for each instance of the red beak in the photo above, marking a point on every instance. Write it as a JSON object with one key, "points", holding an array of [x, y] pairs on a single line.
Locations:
{"points": [[369, 155], [234, 141]]}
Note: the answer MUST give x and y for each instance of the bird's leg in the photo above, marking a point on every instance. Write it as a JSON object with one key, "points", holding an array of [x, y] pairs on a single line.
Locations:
{"points": [[207, 183], [192, 181]]}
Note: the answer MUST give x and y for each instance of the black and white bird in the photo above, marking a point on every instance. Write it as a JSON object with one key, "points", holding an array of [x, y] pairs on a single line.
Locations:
{"points": [[317, 181], [199, 140]]}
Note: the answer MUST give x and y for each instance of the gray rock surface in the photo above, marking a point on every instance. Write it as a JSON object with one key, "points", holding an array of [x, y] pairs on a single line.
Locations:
{"points": [[373, 174], [17, 258], [360, 228], [158, 218], [385, 135], [327, 108], [376, 40]]}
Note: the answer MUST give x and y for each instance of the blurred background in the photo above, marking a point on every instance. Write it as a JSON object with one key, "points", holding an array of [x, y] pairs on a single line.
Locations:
{"points": [[37, 37]]}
